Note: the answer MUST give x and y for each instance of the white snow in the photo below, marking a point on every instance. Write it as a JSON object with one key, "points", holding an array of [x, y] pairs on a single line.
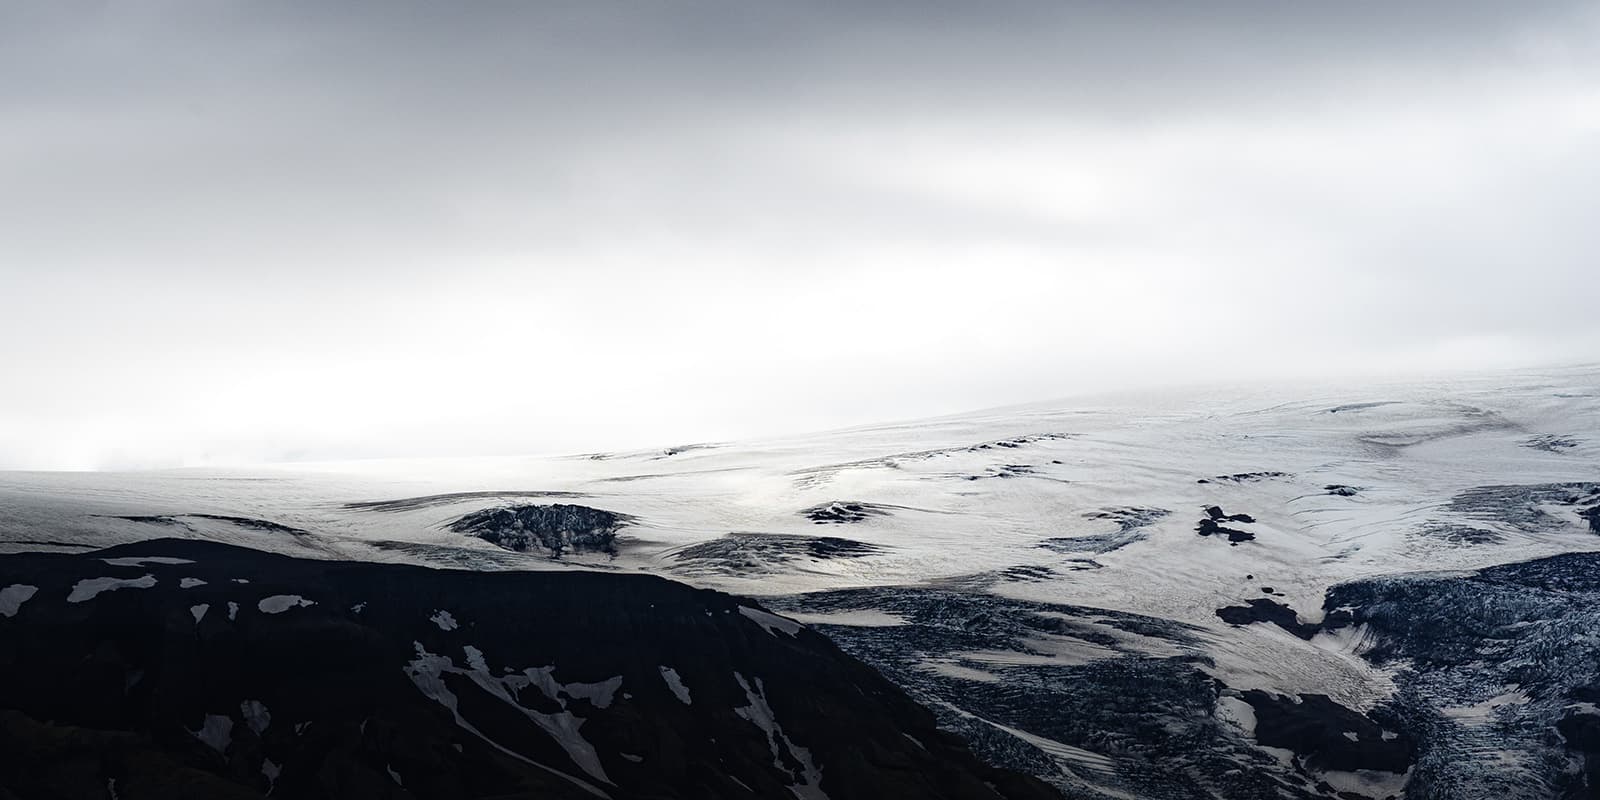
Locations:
{"points": [[953, 669], [139, 561], [1483, 713], [199, 611], [190, 583], [675, 683], [279, 603], [864, 618], [544, 679], [1410, 446], [1074, 758], [270, 771], [216, 732], [255, 715], [12, 597], [1367, 783], [444, 620], [475, 658], [771, 623], [807, 785], [1236, 712], [394, 776], [426, 672], [233, 610], [1351, 640], [600, 694], [89, 588]]}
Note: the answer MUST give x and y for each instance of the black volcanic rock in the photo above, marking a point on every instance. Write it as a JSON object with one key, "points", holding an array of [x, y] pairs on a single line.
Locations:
{"points": [[757, 553], [1134, 723], [1209, 527], [179, 669], [1593, 516], [1245, 477], [840, 512], [1261, 609], [1581, 731], [1329, 735], [555, 528], [1511, 645], [1216, 513]]}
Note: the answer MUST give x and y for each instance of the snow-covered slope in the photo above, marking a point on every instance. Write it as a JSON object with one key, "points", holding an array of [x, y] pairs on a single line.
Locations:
{"points": [[1090, 504], [1049, 486]]}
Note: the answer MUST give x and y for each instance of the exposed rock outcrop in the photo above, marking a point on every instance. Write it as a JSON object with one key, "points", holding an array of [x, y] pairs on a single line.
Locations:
{"points": [[556, 528], [167, 678], [840, 511]]}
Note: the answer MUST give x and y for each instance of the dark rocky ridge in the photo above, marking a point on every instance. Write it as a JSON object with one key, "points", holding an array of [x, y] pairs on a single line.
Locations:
{"points": [[1524, 506], [1262, 609], [322, 679], [1580, 729], [555, 528], [758, 553], [1498, 671], [1593, 516], [840, 512], [1328, 734], [1143, 714], [1516, 641]]}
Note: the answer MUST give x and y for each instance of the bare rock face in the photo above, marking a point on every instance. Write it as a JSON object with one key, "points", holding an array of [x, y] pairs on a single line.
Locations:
{"points": [[1262, 609], [765, 553], [1593, 516], [1328, 735], [843, 512], [182, 669], [557, 528]]}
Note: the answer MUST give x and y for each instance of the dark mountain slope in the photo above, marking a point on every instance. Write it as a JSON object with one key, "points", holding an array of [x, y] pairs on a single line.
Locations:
{"points": [[184, 669]]}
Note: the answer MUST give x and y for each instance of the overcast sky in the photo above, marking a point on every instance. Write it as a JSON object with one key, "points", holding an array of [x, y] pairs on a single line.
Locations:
{"points": [[236, 231]]}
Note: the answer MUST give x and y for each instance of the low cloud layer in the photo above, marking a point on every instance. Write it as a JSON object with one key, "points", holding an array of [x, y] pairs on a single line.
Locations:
{"points": [[247, 231]]}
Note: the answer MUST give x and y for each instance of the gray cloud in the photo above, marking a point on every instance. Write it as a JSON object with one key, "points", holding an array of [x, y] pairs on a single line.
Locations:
{"points": [[265, 230]]}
